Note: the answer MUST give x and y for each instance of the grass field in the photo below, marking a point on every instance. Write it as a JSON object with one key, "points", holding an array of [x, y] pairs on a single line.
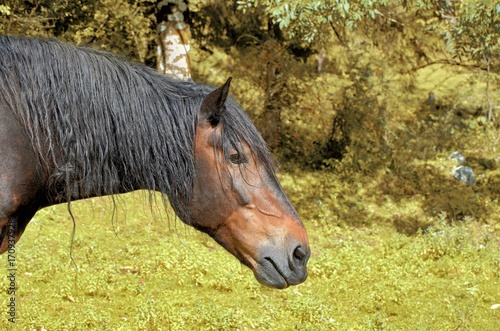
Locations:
{"points": [[143, 270]]}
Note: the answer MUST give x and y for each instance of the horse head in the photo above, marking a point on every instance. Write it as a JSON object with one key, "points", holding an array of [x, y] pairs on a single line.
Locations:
{"points": [[242, 205]]}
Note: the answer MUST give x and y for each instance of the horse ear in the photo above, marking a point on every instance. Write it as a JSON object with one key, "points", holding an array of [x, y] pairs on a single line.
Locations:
{"points": [[213, 104]]}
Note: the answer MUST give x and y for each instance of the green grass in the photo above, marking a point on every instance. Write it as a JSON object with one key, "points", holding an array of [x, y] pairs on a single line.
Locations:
{"points": [[144, 270]]}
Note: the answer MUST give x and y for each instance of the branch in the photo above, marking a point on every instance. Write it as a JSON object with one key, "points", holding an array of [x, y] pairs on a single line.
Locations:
{"points": [[342, 41], [487, 91], [448, 62]]}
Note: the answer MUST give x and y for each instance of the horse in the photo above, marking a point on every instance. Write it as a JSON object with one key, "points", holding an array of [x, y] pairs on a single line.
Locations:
{"points": [[77, 122]]}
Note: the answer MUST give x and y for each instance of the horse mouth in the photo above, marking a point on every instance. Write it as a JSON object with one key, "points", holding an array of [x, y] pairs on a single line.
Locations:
{"points": [[269, 273], [271, 266], [272, 274]]}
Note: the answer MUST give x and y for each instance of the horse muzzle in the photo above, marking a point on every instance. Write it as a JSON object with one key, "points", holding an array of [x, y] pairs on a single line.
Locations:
{"points": [[282, 270]]}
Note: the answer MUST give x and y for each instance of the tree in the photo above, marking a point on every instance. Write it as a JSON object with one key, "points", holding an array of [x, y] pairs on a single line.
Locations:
{"points": [[374, 42], [471, 29]]}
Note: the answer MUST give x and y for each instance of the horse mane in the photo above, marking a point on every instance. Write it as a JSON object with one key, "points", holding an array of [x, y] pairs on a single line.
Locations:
{"points": [[101, 125]]}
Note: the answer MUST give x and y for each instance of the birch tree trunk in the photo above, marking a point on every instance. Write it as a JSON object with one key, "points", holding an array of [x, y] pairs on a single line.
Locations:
{"points": [[173, 39]]}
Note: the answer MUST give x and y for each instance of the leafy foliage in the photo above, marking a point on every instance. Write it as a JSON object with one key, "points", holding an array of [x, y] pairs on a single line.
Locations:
{"points": [[124, 27], [469, 28], [310, 19]]}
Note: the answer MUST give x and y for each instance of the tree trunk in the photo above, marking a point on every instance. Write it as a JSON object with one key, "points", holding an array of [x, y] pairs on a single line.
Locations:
{"points": [[174, 37], [271, 128]]}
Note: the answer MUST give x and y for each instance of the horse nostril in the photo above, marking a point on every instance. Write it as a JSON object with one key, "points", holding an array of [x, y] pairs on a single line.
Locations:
{"points": [[299, 254]]}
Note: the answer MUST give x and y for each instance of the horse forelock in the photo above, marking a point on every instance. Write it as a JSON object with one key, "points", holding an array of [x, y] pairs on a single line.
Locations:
{"points": [[236, 130]]}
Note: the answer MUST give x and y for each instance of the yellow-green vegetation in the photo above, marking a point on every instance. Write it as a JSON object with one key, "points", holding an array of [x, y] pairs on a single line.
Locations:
{"points": [[140, 269]]}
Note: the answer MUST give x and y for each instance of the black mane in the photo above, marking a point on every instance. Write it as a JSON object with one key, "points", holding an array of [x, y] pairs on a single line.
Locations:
{"points": [[102, 126]]}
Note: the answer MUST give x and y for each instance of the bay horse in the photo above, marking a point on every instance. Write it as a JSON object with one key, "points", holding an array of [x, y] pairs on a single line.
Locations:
{"points": [[77, 123]]}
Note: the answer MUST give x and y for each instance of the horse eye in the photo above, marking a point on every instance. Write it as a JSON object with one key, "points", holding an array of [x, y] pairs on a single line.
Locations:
{"points": [[237, 158]]}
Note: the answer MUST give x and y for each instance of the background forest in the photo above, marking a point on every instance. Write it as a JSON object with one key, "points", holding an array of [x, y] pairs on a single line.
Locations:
{"points": [[362, 102]]}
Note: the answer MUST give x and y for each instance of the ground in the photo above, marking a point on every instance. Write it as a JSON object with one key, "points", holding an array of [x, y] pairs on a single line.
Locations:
{"points": [[140, 269]]}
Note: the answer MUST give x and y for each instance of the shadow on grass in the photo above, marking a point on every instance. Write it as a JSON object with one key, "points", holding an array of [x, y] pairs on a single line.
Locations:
{"points": [[409, 200], [440, 194]]}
